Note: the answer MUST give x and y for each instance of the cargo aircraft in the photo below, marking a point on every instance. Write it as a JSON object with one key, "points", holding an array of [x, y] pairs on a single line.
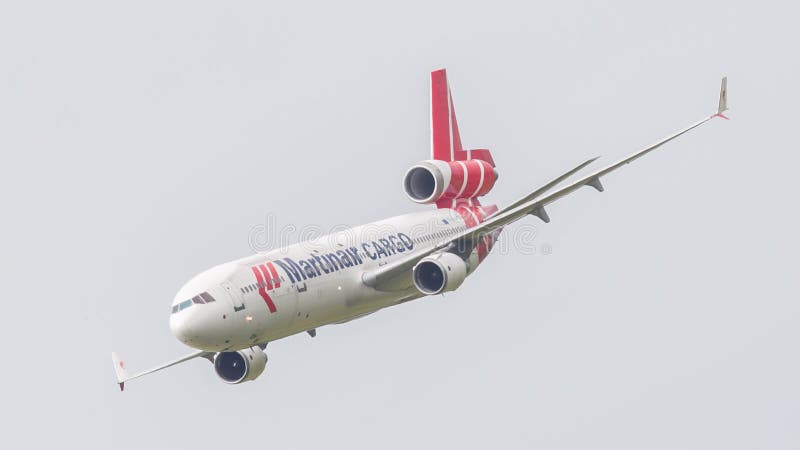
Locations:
{"points": [[230, 312]]}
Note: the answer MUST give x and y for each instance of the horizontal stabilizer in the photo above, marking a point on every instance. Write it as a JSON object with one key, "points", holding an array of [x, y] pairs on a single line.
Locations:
{"points": [[546, 187]]}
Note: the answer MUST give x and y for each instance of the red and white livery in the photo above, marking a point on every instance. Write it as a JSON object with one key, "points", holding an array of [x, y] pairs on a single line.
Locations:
{"points": [[230, 312]]}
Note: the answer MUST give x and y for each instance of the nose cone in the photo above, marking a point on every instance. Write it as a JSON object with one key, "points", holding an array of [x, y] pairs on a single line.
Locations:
{"points": [[180, 326], [201, 326]]}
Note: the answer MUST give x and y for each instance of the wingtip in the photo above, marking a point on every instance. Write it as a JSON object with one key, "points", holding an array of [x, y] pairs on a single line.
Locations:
{"points": [[119, 369], [723, 98]]}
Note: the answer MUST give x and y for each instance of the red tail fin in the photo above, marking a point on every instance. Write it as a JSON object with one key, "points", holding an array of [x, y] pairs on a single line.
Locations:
{"points": [[445, 139]]}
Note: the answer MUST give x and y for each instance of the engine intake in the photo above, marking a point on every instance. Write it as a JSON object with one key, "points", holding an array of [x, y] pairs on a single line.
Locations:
{"points": [[240, 366], [433, 180], [439, 273]]}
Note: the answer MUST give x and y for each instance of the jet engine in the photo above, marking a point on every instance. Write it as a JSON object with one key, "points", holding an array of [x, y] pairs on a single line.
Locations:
{"points": [[432, 180], [439, 273], [240, 366]]}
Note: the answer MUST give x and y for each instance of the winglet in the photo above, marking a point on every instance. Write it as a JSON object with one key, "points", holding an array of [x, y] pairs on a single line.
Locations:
{"points": [[723, 99], [119, 369]]}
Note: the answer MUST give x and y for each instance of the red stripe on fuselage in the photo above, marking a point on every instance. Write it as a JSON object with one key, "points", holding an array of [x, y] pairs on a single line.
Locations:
{"points": [[469, 219], [481, 250], [275, 278], [261, 273], [474, 215], [267, 277]]}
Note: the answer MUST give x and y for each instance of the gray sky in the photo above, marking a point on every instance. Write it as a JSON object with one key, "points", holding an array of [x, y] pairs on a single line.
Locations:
{"points": [[141, 143]]}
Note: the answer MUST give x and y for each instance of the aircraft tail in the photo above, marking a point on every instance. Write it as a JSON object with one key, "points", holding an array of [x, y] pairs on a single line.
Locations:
{"points": [[445, 138]]}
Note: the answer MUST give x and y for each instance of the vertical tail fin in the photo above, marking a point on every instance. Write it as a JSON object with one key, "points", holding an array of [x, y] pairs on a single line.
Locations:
{"points": [[445, 138]]}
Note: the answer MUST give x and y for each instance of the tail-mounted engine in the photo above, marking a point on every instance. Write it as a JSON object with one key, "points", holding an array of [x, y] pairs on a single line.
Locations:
{"points": [[240, 366], [439, 273], [433, 180]]}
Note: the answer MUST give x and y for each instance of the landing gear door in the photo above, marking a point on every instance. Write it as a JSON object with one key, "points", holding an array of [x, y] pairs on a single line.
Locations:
{"points": [[234, 295]]}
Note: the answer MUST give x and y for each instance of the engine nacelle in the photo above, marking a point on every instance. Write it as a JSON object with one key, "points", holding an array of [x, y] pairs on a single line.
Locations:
{"points": [[438, 273], [240, 366], [432, 180]]}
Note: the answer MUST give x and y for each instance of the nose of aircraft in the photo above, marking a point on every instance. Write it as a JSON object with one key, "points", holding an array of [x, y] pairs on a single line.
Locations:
{"points": [[180, 326], [201, 326]]}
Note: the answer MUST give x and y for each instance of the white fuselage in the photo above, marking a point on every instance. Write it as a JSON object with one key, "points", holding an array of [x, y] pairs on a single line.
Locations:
{"points": [[285, 291]]}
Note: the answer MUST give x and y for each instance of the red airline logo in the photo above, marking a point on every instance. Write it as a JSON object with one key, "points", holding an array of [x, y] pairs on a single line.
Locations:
{"points": [[267, 279]]}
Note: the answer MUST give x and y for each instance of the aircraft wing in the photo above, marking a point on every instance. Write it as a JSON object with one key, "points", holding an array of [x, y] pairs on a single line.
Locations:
{"points": [[536, 207], [531, 203], [122, 372]]}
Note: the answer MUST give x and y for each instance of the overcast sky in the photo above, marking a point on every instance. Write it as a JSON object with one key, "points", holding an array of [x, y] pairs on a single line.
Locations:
{"points": [[143, 142]]}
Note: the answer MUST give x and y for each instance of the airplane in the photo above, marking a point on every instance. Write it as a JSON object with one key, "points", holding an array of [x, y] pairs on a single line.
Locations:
{"points": [[230, 312]]}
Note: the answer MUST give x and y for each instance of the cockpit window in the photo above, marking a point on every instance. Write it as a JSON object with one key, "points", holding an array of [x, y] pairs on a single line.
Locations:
{"points": [[203, 298]]}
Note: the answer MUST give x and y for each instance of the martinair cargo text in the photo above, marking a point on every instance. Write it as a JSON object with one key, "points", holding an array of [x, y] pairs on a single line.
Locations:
{"points": [[230, 312]]}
